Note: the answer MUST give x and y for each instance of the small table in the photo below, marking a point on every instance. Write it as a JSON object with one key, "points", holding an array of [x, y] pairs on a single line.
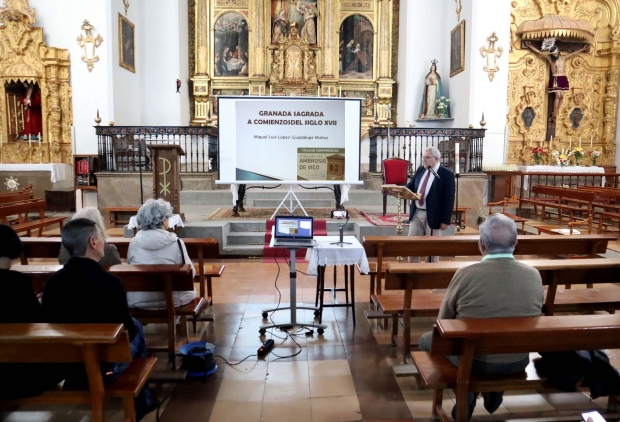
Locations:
{"points": [[114, 211], [325, 253]]}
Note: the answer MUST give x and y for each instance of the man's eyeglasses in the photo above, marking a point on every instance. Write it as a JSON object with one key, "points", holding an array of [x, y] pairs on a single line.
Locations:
{"points": [[427, 157]]}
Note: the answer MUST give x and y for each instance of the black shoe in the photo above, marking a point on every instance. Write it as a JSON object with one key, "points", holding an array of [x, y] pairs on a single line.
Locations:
{"points": [[471, 404], [153, 406], [493, 400]]}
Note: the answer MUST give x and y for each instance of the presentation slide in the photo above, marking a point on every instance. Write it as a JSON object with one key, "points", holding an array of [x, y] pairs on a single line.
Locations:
{"points": [[289, 139]]}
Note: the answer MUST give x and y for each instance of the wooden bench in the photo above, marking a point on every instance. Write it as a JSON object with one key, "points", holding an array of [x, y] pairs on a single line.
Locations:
{"points": [[22, 195], [113, 213], [90, 344], [410, 277], [505, 203], [555, 198], [22, 210], [381, 247], [468, 337], [610, 215], [144, 278], [198, 250]]}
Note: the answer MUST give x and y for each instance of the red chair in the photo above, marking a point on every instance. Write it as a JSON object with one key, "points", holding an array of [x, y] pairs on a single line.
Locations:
{"points": [[394, 173]]}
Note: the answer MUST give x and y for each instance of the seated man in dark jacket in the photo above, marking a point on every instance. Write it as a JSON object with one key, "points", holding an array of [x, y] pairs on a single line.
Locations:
{"points": [[83, 292], [19, 304]]}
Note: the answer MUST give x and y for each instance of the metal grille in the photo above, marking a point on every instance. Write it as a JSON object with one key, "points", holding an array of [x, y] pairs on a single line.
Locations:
{"points": [[125, 148], [410, 143]]}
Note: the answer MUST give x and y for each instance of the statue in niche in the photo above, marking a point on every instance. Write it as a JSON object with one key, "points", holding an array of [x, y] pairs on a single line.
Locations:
{"points": [[558, 81], [32, 116], [279, 27], [309, 12], [433, 90]]}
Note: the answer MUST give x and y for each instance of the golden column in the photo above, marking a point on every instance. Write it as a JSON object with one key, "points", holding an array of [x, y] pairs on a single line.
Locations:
{"points": [[609, 121], [257, 46], [385, 81], [328, 41], [201, 76]]}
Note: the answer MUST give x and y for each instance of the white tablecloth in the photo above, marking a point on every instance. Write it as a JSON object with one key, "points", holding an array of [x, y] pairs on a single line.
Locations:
{"points": [[344, 193], [59, 171], [324, 253], [174, 221], [557, 169]]}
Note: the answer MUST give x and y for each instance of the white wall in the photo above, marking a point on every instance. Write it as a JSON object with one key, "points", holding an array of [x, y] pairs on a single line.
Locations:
{"points": [[62, 21]]}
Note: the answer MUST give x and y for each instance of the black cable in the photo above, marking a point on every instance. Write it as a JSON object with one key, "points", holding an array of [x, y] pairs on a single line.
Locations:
{"points": [[157, 415], [232, 364]]}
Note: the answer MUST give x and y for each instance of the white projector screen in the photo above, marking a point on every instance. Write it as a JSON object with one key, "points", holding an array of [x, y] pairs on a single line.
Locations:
{"points": [[300, 140]]}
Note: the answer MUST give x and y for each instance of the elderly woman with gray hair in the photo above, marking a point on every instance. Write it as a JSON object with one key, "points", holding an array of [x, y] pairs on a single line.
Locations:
{"points": [[111, 255], [153, 244]]}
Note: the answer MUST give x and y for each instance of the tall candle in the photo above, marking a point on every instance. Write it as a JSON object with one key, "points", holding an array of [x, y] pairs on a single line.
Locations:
{"points": [[570, 143], [590, 141], [270, 90], [40, 153], [30, 149], [530, 140], [329, 92], [340, 92], [551, 142], [457, 154], [318, 91], [580, 141]]}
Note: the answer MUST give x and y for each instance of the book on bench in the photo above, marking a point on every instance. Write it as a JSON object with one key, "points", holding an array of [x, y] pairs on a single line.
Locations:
{"points": [[401, 192]]}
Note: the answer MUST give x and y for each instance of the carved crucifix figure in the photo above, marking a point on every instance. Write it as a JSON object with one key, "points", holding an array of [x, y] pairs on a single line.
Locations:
{"points": [[558, 83]]}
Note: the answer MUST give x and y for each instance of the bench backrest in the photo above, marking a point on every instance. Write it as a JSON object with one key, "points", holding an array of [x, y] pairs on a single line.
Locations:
{"points": [[553, 273], [62, 343], [23, 207], [15, 197], [392, 246], [135, 278], [524, 335], [563, 193], [42, 247]]}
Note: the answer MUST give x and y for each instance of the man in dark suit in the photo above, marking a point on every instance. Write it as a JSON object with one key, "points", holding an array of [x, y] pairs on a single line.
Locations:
{"points": [[431, 214]]}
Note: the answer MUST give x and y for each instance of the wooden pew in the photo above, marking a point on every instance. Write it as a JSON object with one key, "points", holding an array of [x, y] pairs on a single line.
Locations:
{"points": [[198, 250], [143, 278], [410, 277], [381, 247], [468, 337], [113, 213], [22, 195], [22, 209], [90, 344], [554, 198]]}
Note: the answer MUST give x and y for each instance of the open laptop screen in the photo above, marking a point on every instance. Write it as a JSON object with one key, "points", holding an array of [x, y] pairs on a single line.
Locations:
{"points": [[294, 227]]}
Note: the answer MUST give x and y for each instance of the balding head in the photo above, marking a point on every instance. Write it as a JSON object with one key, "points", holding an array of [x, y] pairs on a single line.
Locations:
{"points": [[498, 235]]}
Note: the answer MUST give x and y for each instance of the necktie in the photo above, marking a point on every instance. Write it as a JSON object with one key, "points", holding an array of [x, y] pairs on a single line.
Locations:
{"points": [[423, 188]]}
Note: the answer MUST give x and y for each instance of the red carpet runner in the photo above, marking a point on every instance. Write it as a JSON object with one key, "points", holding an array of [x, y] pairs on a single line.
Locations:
{"points": [[270, 254]]}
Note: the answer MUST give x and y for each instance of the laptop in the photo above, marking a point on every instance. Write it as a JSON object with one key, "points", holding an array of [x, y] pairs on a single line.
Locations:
{"points": [[294, 231]]}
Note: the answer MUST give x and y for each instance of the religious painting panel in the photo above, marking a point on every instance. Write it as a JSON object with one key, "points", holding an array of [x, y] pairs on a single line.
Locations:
{"points": [[126, 44], [231, 56], [576, 116], [457, 49], [356, 48], [368, 104], [528, 116], [304, 13]]}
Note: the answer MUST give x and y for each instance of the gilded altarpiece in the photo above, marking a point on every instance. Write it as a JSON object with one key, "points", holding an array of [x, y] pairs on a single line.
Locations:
{"points": [[270, 29], [589, 109], [24, 57]]}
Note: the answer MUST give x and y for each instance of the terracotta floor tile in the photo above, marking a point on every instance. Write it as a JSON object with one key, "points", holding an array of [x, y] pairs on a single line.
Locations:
{"points": [[332, 409], [227, 411], [287, 411]]}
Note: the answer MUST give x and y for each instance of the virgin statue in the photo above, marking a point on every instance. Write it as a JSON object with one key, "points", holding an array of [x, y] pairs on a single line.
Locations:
{"points": [[309, 29], [433, 90], [280, 27]]}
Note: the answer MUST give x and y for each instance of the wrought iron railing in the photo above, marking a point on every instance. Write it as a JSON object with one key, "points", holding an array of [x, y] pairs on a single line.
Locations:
{"points": [[125, 148], [410, 143]]}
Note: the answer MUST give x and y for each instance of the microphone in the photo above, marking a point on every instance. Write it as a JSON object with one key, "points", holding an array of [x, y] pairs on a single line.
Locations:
{"points": [[434, 172], [341, 230]]}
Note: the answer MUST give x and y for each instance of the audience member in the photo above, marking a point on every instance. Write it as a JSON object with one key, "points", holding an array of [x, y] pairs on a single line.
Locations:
{"points": [[18, 304], [497, 287], [83, 292], [110, 253], [153, 244]]}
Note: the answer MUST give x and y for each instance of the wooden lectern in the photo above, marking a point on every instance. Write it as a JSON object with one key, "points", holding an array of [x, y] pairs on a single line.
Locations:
{"points": [[166, 172], [400, 192]]}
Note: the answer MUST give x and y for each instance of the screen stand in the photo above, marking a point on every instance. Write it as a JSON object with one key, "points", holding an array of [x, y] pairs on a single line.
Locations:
{"points": [[293, 321], [290, 195]]}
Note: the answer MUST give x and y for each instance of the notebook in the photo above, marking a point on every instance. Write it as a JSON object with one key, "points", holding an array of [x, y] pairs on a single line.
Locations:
{"points": [[294, 231]]}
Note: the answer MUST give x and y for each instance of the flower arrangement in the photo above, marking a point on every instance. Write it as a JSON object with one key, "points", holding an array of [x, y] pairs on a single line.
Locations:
{"points": [[442, 106], [538, 153], [562, 157], [594, 154], [578, 153]]}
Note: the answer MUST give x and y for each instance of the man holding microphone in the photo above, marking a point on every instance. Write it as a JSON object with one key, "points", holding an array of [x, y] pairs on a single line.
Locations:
{"points": [[431, 214]]}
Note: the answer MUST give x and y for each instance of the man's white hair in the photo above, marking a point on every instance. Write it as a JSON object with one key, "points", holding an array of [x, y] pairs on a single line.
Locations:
{"points": [[498, 234], [434, 152], [92, 214]]}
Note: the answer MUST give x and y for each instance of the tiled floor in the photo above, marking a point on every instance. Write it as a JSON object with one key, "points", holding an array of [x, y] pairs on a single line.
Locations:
{"points": [[343, 375]]}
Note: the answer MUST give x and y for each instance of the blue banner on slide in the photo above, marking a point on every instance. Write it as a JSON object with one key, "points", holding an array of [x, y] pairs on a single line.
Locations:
{"points": [[248, 175]]}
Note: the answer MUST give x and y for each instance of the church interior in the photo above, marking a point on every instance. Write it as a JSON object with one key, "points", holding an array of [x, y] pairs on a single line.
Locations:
{"points": [[120, 112]]}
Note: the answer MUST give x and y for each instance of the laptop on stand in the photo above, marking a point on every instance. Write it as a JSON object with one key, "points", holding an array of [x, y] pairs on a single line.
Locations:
{"points": [[293, 232]]}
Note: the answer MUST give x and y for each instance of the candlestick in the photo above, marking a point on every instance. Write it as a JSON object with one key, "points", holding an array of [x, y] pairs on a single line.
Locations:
{"points": [[318, 91], [580, 141], [457, 153], [590, 141], [270, 94], [29, 148], [570, 143], [340, 91], [388, 135], [40, 154], [329, 92]]}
